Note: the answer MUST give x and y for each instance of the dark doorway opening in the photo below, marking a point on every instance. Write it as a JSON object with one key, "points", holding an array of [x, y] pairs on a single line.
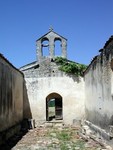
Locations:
{"points": [[54, 107]]}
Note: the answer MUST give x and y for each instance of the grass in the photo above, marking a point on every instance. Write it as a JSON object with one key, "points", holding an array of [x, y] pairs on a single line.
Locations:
{"points": [[65, 137], [68, 139]]}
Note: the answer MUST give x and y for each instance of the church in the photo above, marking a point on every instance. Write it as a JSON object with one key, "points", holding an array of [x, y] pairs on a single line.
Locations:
{"points": [[45, 82], [42, 92]]}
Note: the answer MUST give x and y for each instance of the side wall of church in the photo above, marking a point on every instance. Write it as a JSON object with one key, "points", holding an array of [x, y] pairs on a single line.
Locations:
{"points": [[99, 88], [11, 95]]}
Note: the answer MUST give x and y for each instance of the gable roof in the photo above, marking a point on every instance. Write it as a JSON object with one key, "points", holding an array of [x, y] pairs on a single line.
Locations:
{"points": [[51, 30]]}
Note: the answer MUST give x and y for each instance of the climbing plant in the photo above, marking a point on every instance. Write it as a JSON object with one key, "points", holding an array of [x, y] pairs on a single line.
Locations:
{"points": [[70, 67]]}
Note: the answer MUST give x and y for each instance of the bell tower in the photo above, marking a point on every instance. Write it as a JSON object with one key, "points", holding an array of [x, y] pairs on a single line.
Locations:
{"points": [[48, 40]]}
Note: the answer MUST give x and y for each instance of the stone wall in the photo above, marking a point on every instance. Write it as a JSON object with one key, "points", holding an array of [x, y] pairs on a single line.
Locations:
{"points": [[45, 78], [99, 88], [51, 37], [11, 95]]}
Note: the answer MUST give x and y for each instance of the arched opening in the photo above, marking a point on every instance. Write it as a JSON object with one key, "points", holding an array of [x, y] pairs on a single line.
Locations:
{"points": [[58, 47], [54, 109], [45, 47]]}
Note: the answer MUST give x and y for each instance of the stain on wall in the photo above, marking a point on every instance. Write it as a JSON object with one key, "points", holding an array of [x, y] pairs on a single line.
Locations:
{"points": [[11, 95], [99, 88]]}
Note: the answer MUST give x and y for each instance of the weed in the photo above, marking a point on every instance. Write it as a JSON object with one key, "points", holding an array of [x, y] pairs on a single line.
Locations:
{"points": [[64, 136]]}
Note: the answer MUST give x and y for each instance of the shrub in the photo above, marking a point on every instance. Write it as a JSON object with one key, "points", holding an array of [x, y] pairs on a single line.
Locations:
{"points": [[70, 67]]}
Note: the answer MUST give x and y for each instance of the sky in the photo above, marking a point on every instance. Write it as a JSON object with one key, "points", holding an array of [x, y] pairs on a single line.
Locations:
{"points": [[87, 24]]}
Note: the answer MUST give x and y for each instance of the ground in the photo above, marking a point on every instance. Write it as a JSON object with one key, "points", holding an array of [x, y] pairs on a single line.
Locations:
{"points": [[55, 138], [52, 137]]}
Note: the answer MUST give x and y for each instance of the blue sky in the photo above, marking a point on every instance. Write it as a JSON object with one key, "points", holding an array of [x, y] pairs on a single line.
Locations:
{"points": [[87, 24]]}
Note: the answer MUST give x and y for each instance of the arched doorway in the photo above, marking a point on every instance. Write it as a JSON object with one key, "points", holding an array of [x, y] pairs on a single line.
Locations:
{"points": [[54, 107]]}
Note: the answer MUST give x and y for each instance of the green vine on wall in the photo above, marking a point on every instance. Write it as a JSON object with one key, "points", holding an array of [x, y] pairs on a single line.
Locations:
{"points": [[70, 67]]}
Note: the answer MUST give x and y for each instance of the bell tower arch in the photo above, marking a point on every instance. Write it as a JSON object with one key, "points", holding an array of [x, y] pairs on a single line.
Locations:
{"points": [[48, 41]]}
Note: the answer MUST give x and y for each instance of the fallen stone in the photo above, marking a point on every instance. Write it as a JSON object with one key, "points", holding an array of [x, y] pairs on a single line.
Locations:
{"points": [[77, 148], [53, 134]]}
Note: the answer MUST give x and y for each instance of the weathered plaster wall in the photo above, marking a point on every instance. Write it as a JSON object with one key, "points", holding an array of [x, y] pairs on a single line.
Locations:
{"points": [[71, 92], [47, 79], [11, 95], [99, 89]]}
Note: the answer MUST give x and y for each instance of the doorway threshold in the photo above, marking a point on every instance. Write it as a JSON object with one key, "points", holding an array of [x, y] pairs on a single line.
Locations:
{"points": [[55, 121]]}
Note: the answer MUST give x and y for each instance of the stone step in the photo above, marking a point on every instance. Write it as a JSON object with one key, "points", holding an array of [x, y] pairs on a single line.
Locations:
{"points": [[54, 123]]}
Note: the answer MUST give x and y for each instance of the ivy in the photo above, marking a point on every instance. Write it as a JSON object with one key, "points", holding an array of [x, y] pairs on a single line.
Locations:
{"points": [[70, 67]]}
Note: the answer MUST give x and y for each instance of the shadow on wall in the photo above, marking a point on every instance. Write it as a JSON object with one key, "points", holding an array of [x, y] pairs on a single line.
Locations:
{"points": [[26, 105], [13, 140], [74, 77], [111, 120], [19, 130], [103, 121]]}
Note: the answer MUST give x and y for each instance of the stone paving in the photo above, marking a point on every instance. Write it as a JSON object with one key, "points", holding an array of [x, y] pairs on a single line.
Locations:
{"points": [[55, 138], [52, 137]]}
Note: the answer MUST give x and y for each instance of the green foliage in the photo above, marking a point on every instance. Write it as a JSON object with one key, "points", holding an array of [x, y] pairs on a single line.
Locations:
{"points": [[64, 136], [51, 103], [68, 138], [70, 67]]}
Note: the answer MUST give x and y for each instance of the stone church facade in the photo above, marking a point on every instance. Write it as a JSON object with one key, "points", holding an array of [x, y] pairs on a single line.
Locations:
{"points": [[44, 82]]}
